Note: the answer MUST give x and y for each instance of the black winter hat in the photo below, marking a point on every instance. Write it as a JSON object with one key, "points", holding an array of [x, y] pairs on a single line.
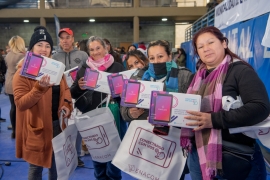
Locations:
{"points": [[40, 34]]}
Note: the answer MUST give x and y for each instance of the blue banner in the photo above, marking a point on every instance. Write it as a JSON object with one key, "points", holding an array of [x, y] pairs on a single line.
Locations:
{"points": [[57, 29], [245, 40]]}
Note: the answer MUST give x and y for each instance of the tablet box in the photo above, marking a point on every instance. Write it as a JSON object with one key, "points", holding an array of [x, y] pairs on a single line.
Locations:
{"points": [[97, 80], [35, 66], [116, 81], [169, 109], [71, 75], [137, 93]]}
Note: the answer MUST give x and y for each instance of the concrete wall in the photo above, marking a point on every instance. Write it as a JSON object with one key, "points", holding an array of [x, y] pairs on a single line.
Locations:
{"points": [[115, 32], [180, 34]]}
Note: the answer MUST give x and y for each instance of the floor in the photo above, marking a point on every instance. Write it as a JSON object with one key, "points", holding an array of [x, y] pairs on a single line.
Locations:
{"points": [[18, 169]]}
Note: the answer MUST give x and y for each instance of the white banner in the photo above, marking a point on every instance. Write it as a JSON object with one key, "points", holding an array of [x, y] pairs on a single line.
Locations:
{"points": [[230, 12], [266, 37]]}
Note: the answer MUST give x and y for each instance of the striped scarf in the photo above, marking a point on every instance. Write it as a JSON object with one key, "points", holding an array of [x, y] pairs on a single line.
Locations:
{"points": [[208, 141]]}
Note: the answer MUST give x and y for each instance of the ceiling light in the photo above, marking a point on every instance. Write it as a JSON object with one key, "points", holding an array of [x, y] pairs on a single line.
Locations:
{"points": [[92, 20], [26, 20], [164, 19], [182, 23]]}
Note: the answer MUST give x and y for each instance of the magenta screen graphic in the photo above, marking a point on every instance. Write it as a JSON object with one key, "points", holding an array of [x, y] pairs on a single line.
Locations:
{"points": [[152, 148], [132, 92], [73, 74], [91, 78], [33, 65], [163, 107], [117, 84]]}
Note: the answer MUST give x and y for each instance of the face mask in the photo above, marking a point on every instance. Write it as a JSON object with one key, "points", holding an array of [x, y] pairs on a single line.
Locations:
{"points": [[158, 68]]}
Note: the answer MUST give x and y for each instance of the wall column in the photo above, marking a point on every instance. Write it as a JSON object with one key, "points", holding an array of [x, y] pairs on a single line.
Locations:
{"points": [[42, 4], [136, 29], [42, 21], [136, 3]]}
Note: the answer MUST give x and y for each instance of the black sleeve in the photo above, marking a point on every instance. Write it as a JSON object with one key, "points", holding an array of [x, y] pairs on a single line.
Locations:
{"points": [[127, 117], [252, 91], [3, 65], [75, 90]]}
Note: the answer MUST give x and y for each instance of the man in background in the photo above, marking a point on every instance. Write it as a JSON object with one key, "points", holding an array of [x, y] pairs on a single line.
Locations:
{"points": [[71, 57]]}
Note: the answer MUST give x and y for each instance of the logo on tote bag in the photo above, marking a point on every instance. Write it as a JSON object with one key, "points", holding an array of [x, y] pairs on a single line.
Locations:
{"points": [[152, 148], [95, 138], [69, 152]]}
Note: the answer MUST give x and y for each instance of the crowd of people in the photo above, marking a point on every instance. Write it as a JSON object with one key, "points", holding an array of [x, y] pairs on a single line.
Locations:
{"points": [[36, 106]]}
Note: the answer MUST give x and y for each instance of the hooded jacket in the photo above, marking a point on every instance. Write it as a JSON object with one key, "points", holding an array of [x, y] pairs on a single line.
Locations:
{"points": [[34, 129], [71, 59]]}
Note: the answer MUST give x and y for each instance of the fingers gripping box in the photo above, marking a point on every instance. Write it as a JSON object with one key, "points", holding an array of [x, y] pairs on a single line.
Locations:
{"points": [[138, 93], [170, 108], [116, 81], [35, 66]]}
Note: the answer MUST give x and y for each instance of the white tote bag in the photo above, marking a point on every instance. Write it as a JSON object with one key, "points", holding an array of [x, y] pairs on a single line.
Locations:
{"points": [[64, 150], [145, 155], [99, 133], [259, 131]]}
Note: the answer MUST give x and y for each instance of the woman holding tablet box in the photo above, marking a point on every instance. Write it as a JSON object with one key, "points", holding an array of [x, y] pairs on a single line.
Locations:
{"points": [[97, 61], [161, 68], [39, 104], [232, 96]]}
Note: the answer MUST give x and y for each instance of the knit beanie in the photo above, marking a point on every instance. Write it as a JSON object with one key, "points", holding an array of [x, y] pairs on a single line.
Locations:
{"points": [[40, 34]]}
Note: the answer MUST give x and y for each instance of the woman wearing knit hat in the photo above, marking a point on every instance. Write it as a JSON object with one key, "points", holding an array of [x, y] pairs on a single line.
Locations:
{"points": [[38, 109]]}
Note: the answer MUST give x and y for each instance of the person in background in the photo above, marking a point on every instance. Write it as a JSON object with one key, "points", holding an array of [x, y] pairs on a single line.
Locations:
{"points": [[71, 57], [3, 53], [232, 96], [82, 46], [115, 55], [118, 50], [130, 48], [39, 105], [17, 53], [136, 60], [7, 49], [68, 54], [101, 60], [180, 58], [3, 70]]}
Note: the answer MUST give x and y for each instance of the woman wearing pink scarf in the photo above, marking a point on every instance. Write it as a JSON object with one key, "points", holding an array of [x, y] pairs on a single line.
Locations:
{"points": [[232, 96], [99, 60]]}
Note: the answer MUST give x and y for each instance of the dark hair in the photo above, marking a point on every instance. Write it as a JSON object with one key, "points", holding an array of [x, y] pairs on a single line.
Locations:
{"points": [[217, 33], [108, 43], [131, 46], [138, 55], [115, 55], [162, 43], [182, 51], [83, 46]]}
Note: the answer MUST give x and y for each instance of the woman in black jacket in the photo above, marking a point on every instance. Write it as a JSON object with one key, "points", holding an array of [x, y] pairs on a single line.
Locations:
{"points": [[232, 96], [99, 60]]}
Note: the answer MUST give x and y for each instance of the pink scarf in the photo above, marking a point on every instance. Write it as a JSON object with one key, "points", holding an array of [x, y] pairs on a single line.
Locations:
{"points": [[101, 64], [208, 141]]}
